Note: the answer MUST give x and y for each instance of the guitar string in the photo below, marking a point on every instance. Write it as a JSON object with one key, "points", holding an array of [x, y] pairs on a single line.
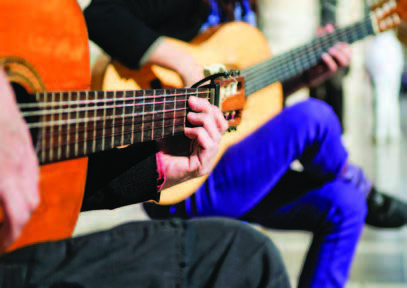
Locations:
{"points": [[33, 125], [288, 69], [290, 73], [104, 100], [124, 122], [293, 67], [95, 108], [175, 114], [45, 152], [47, 146], [248, 73], [288, 58], [324, 38], [291, 64], [276, 63], [51, 147]]}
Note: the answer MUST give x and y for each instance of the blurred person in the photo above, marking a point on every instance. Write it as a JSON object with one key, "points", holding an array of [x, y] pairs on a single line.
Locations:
{"points": [[331, 91], [385, 63], [253, 180]]}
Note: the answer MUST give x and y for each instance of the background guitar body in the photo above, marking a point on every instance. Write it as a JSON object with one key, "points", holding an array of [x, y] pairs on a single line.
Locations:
{"points": [[45, 47], [236, 45]]}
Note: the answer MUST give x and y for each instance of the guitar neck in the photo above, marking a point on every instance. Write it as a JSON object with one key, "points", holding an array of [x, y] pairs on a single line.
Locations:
{"points": [[296, 61], [76, 124]]}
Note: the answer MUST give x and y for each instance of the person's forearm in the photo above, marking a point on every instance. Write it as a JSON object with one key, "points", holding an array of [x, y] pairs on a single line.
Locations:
{"points": [[118, 31], [172, 54], [121, 177]]}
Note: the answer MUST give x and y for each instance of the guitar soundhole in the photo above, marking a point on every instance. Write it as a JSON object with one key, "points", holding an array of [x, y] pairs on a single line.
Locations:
{"points": [[22, 96]]}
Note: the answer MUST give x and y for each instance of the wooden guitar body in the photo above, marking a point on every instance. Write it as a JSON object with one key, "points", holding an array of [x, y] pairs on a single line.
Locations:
{"points": [[236, 45], [45, 47]]}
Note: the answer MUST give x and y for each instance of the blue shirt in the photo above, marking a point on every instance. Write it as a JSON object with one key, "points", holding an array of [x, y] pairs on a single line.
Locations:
{"points": [[243, 12]]}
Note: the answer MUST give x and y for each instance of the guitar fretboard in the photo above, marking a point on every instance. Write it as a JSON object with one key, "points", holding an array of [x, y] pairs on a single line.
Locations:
{"points": [[75, 124], [295, 62]]}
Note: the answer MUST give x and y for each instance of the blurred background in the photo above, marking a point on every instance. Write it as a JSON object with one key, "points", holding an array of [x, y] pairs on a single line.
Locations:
{"points": [[381, 149]]}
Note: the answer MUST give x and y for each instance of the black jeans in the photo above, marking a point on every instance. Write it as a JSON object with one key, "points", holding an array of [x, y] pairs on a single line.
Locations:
{"points": [[175, 253]]}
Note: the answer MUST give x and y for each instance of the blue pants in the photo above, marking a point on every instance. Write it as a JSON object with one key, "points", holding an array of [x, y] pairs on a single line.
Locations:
{"points": [[253, 182]]}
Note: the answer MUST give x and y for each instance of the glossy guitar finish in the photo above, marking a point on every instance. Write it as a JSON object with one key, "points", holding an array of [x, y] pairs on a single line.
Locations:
{"points": [[45, 47]]}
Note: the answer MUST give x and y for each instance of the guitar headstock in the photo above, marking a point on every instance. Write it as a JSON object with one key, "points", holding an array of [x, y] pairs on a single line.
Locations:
{"points": [[388, 14], [232, 96]]}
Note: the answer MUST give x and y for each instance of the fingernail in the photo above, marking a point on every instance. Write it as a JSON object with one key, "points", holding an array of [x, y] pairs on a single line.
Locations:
{"points": [[191, 114]]}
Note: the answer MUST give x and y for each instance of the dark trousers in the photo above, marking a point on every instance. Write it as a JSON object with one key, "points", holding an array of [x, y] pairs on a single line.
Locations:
{"points": [[197, 253]]}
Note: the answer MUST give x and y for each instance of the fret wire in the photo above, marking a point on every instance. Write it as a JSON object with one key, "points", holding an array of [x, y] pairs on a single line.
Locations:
{"points": [[51, 128], [123, 116], [142, 117], [81, 136], [114, 117], [43, 133], [152, 133], [68, 127], [104, 122], [83, 120], [251, 74], [162, 132], [127, 123], [60, 132], [85, 146], [185, 111], [78, 102], [76, 128], [253, 69], [95, 114], [80, 109], [118, 133], [175, 109], [134, 112]]}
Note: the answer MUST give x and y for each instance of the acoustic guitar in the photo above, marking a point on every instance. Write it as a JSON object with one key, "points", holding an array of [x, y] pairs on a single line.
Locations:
{"points": [[49, 71], [240, 46]]}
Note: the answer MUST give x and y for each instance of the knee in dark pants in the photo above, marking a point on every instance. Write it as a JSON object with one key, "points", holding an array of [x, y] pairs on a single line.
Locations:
{"points": [[237, 254]]}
